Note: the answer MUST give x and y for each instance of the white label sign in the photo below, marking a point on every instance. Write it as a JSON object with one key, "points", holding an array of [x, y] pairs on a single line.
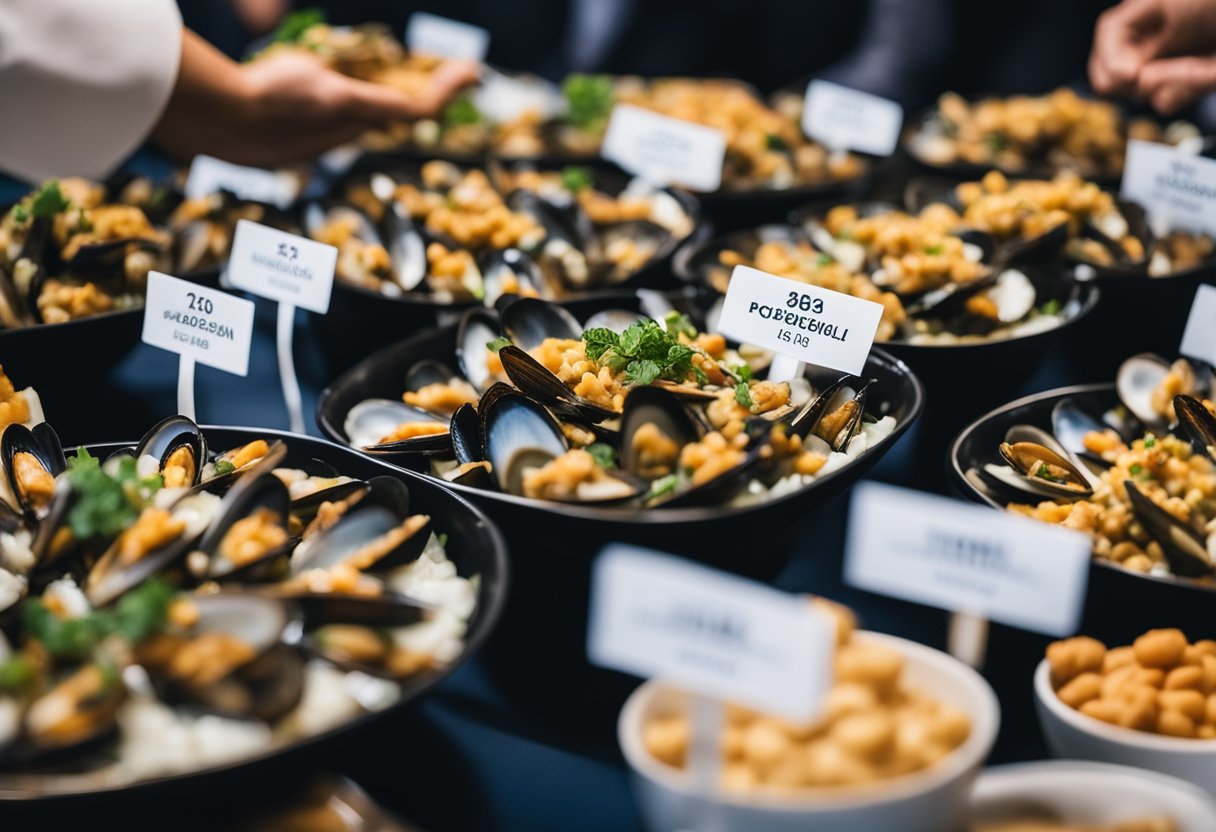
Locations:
{"points": [[811, 324], [967, 558], [446, 38], [713, 634], [1177, 189], [846, 119], [1199, 337], [283, 267], [209, 175], [204, 325], [665, 150]]}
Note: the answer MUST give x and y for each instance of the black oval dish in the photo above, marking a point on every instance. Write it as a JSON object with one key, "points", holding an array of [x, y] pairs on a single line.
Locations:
{"points": [[474, 545], [1121, 604], [361, 321], [553, 544]]}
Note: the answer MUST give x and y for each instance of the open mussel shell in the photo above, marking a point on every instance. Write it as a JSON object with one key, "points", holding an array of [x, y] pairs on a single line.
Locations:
{"points": [[528, 322], [1036, 469], [275, 453], [849, 253], [477, 329], [1140, 377], [374, 530], [266, 495], [369, 423], [651, 240], [179, 448], [1128, 219], [510, 273], [40, 448], [1197, 422], [835, 415], [1070, 422], [81, 708], [728, 484], [1185, 552], [518, 433], [264, 686], [535, 380], [655, 426], [112, 576], [406, 248]]}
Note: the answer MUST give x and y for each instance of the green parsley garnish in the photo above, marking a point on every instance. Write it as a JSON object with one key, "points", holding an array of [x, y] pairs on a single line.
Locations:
{"points": [[15, 673], [743, 372], [223, 466], [1135, 469], [575, 179], [589, 100], [20, 215], [498, 343], [1052, 307], [824, 259], [644, 351], [443, 538], [604, 455], [49, 201], [743, 395], [679, 324], [664, 486], [293, 27], [774, 142], [106, 505], [460, 111], [1044, 473], [1149, 440], [137, 615], [937, 249], [996, 142]]}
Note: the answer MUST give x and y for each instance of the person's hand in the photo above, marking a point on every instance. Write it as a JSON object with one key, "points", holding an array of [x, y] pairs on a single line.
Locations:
{"points": [[1155, 49], [285, 108]]}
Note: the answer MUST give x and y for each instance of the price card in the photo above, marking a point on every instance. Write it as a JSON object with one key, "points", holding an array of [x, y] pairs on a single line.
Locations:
{"points": [[205, 325], [969, 558], [846, 119], [502, 98], [711, 633], [665, 150], [1199, 337], [209, 175], [282, 267], [1177, 189], [446, 38], [808, 323]]}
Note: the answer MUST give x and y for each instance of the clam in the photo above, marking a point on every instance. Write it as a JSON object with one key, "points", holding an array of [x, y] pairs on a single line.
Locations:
{"points": [[248, 671], [1186, 553], [31, 460], [373, 529], [176, 450]]}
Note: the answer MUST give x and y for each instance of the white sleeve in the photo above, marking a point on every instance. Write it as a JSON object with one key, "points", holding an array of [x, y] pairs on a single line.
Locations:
{"points": [[82, 82]]}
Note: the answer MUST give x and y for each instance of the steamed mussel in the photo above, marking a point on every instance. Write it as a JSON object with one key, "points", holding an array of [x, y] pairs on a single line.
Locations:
{"points": [[172, 607], [1139, 477], [462, 235], [653, 413]]}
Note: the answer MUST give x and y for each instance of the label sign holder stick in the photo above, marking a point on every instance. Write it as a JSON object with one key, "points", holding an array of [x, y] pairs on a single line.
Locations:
{"points": [[967, 638], [287, 367], [185, 386], [707, 716]]}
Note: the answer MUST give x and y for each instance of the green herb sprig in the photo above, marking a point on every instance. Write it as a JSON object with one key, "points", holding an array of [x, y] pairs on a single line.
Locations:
{"points": [[105, 504], [589, 100], [644, 351]]}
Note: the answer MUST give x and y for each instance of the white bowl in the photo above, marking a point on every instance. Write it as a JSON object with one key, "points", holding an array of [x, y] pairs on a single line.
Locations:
{"points": [[931, 800], [1091, 793], [1073, 735]]}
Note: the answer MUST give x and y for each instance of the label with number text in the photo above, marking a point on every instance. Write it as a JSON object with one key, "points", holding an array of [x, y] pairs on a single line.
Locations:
{"points": [[967, 558], [1177, 189], [714, 634], [443, 37], [209, 175], [845, 119], [818, 326], [280, 266], [665, 150], [210, 326], [1199, 337]]}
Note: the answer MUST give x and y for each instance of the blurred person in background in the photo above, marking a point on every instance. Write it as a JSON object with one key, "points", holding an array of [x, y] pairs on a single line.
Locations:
{"points": [[1162, 52], [97, 79], [231, 25]]}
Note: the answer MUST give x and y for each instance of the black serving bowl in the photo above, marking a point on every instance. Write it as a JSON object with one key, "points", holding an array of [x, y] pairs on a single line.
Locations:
{"points": [[1121, 604], [961, 380], [473, 544], [361, 321], [554, 544], [83, 349]]}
